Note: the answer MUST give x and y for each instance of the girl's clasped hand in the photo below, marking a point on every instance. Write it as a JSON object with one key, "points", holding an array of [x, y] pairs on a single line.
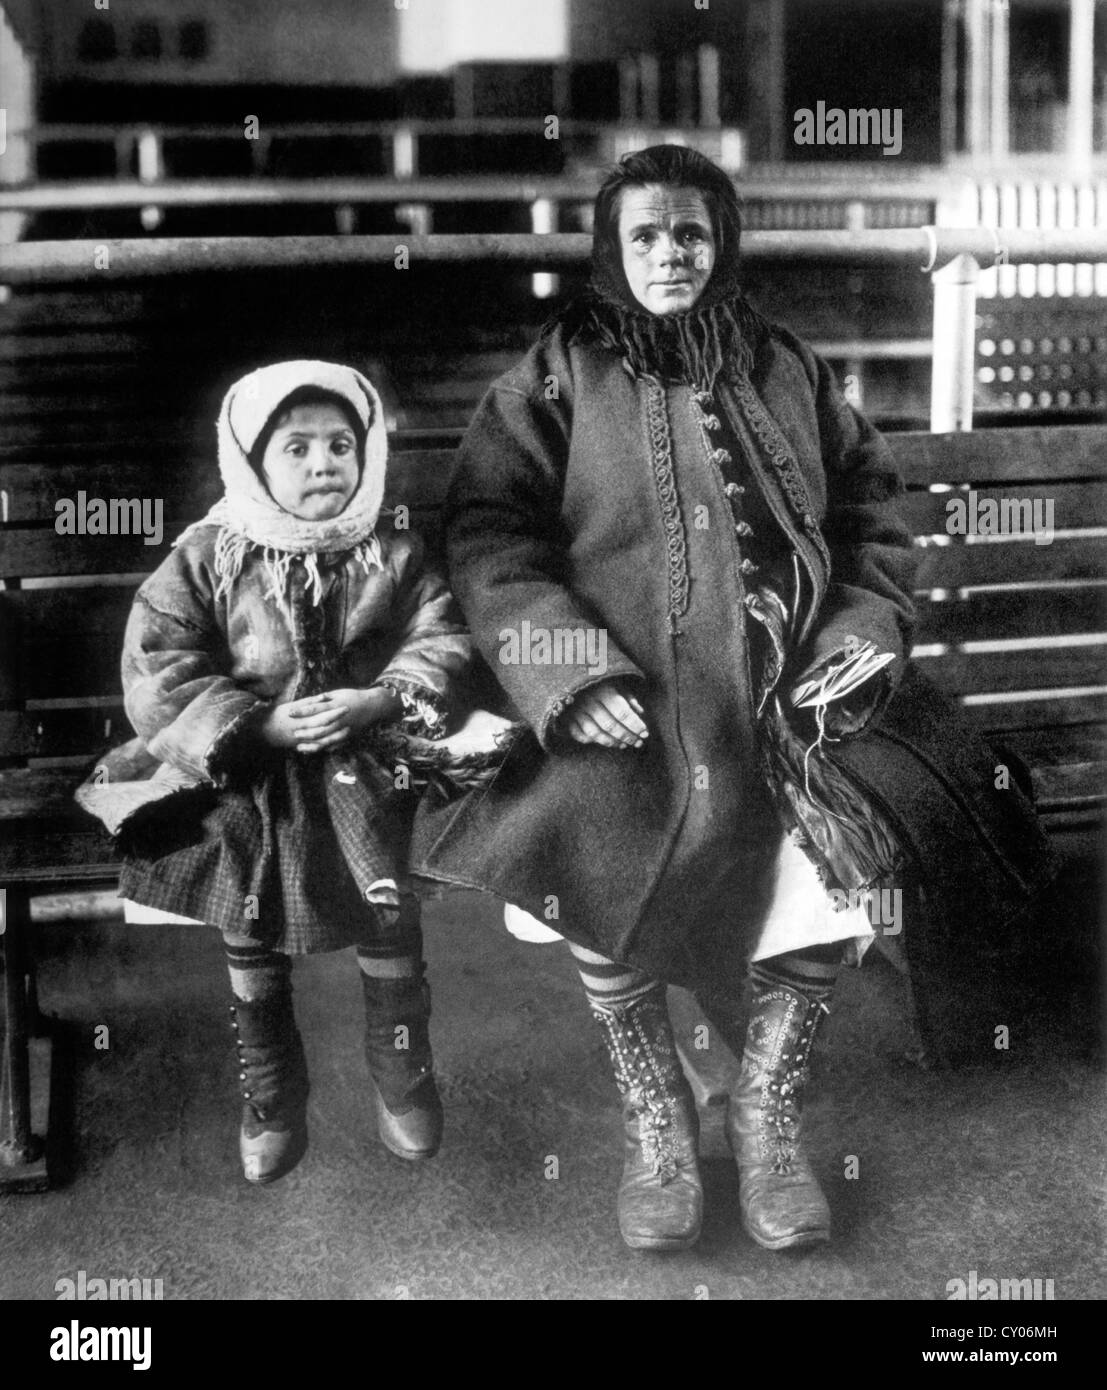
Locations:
{"points": [[318, 722]]}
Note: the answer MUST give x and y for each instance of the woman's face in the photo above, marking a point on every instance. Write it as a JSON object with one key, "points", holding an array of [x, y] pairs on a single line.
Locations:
{"points": [[667, 245], [310, 465]]}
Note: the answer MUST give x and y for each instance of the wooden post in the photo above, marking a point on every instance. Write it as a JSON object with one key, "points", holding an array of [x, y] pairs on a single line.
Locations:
{"points": [[999, 80], [628, 91], [686, 90], [952, 13], [977, 124], [418, 216], [405, 159], [151, 169], [1081, 82], [770, 124], [561, 90], [543, 221], [464, 93], [20, 96], [649, 88], [20, 1146], [707, 58], [954, 366]]}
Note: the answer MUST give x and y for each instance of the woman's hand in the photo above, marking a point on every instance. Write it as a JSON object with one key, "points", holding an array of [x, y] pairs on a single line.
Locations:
{"points": [[319, 722], [605, 716]]}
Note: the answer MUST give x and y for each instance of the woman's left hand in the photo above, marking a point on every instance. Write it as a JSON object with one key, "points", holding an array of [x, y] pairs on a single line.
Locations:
{"points": [[327, 720]]}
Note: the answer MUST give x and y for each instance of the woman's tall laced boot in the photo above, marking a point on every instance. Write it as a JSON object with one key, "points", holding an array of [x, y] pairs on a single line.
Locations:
{"points": [[398, 1053], [273, 1074], [660, 1196], [781, 1202]]}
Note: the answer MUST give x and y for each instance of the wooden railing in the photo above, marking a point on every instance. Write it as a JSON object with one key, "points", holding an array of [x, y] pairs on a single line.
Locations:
{"points": [[955, 257]]}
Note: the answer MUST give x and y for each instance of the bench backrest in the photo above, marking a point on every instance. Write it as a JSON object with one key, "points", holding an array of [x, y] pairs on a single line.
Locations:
{"points": [[1012, 627]]}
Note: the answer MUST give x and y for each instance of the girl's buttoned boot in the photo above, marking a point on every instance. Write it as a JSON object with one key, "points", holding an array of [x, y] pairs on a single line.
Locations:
{"points": [[781, 1202], [398, 1053], [661, 1195], [273, 1074]]}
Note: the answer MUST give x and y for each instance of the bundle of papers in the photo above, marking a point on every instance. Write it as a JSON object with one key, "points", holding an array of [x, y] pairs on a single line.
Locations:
{"points": [[842, 677]]}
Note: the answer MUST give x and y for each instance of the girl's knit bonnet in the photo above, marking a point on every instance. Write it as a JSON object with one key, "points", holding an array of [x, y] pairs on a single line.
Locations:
{"points": [[248, 517]]}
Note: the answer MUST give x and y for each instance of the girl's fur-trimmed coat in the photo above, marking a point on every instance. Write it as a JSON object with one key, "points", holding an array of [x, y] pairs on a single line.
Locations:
{"points": [[196, 667]]}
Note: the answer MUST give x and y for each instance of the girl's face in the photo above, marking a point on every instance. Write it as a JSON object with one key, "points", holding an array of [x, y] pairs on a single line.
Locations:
{"points": [[311, 465], [667, 244]]}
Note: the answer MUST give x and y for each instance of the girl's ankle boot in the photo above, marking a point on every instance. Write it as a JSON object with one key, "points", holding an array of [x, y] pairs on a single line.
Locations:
{"points": [[398, 1053], [660, 1196], [273, 1074], [781, 1201]]}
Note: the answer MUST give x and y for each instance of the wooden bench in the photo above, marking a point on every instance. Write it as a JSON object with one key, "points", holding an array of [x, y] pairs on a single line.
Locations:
{"points": [[1013, 629]]}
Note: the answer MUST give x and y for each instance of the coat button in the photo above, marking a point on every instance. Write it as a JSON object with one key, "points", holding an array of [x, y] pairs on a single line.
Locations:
{"points": [[743, 528], [748, 567]]}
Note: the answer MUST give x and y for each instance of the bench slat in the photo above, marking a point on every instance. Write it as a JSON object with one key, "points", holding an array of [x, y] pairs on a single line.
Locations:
{"points": [[36, 551], [60, 733], [1037, 612], [1002, 455], [1042, 668], [1059, 747], [39, 552], [1001, 718], [187, 487], [1011, 562], [1074, 507]]}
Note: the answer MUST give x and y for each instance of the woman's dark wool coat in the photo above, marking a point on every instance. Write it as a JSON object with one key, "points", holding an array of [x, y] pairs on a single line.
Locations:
{"points": [[590, 501]]}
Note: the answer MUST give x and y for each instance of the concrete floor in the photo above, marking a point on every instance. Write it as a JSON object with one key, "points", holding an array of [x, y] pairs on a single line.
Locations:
{"points": [[998, 1172]]}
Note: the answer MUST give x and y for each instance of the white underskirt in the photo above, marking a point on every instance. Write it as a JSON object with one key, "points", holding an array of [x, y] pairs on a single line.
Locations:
{"points": [[800, 914]]}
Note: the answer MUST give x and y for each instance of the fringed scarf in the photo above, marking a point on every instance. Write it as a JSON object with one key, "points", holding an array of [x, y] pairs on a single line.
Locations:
{"points": [[232, 546], [247, 516], [697, 347]]}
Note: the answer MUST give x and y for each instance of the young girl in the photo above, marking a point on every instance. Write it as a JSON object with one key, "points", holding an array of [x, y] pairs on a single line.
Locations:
{"points": [[259, 659]]}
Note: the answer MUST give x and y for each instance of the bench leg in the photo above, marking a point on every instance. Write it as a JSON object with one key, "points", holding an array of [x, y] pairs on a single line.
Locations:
{"points": [[22, 1151]]}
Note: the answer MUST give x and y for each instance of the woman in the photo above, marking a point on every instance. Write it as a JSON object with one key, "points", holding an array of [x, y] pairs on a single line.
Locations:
{"points": [[664, 520]]}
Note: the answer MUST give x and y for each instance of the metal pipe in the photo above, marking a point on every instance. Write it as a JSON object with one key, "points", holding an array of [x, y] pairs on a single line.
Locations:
{"points": [[65, 133], [88, 197], [953, 374], [71, 262]]}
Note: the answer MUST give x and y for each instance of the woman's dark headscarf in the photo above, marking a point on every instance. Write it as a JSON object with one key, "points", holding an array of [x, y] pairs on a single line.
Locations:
{"points": [[720, 334]]}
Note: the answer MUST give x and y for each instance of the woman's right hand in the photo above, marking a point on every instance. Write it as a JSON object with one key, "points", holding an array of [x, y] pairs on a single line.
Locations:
{"points": [[606, 716]]}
